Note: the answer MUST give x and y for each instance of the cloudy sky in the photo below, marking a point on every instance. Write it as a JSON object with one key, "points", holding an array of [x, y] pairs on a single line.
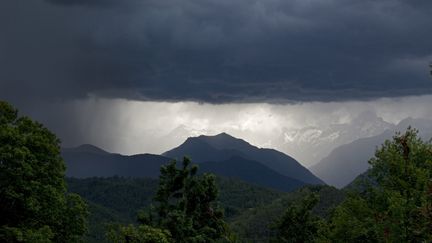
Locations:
{"points": [[141, 75]]}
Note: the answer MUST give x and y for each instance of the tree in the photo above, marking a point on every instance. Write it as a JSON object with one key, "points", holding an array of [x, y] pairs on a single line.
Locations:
{"points": [[299, 224], [396, 207], [34, 206], [184, 210], [354, 221], [138, 234]]}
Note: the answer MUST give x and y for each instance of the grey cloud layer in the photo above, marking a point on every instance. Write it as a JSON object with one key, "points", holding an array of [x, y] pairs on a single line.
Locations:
{"points": [[306, 131], [215, 51]]}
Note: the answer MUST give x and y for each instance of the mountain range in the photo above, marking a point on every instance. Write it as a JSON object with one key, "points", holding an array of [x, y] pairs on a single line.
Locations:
{"points": [[89, 161], [348, 161], [228, 156], [223, 146], [310, 144], [222, 154], [307, 144]]}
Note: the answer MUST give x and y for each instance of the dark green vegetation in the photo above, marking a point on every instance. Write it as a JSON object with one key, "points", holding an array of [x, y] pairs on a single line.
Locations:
{"points": [[112, 200], [299, 224], [34, 205], [258, 224], [222, 155], [184, 210], [250, 211], [391, 202], [118, 200], [352, 159]]}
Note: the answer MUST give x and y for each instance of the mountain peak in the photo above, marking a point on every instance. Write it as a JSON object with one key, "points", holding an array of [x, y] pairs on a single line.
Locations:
{"points": [[418, 123], [223, 134], [89, 148], [224, 140], [223, 146], [220, 135]]}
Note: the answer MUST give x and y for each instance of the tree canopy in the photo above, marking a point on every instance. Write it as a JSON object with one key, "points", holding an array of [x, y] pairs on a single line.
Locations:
{"points": [[34, 205], [299, 224], [394, 204], [391, 203], [185, 209]]}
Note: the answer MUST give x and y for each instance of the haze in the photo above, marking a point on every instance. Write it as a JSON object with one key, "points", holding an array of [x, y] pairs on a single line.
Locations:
{"points": [[140, 76]]}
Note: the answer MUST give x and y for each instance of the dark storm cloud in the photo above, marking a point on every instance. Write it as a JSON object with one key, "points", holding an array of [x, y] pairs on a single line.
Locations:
{"points": [[215, 50], [83, 2], [96, 3]]}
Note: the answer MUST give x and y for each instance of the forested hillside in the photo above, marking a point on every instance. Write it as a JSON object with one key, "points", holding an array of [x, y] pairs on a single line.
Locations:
{"points": [[223, 146], [395, 188], [250, 210], [118, 199], [215, 121], [222, 155], [258, 224], [391, 202]]}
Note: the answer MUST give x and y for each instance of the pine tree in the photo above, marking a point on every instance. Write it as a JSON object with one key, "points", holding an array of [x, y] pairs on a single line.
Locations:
{"points": [[185, 208], [299, 224]]}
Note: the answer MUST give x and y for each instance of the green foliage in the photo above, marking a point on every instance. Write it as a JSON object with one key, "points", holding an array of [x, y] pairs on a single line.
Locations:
{"points": [[139, 234], [113, 200], [352, 221], [185, 207], [123, 195], [116, 200], [298, 224], [236, 196], [34, 206], [394, 204], [99, 221], [186, 204], [41, 235], [255, 224], [391, 203]]}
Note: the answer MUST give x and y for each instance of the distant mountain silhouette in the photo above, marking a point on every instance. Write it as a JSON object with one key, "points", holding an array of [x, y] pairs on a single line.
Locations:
{"points": [[224, 141], [90, 161], [200, 151], [348, 161], [222, 154], [252, 172], [310, 144], [223, 147], [86, 148]]}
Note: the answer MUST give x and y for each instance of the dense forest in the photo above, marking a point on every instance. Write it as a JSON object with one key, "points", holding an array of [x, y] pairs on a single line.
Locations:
{"points": [[248, 209], [391, 202]]}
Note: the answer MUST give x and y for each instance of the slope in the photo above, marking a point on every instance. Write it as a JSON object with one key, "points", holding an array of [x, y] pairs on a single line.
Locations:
{"points": [[224, 146], [348, 161], [117, 199], [89, 161], [252, 172]]}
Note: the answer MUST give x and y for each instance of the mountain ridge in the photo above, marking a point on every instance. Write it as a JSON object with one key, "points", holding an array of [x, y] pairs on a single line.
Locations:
{"points": [[86, 148], [218, 145], [348, 161], [233, 157], [240, 168]]}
